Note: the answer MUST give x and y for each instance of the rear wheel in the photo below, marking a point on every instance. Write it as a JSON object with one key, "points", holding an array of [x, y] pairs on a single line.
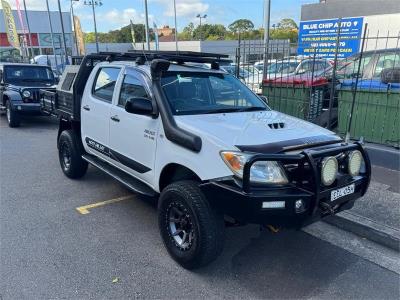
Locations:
{"points": [[13, 118], [70, 155], [192, 231]]}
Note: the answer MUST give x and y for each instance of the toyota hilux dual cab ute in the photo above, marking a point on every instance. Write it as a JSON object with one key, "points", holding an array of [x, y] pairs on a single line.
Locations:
{"points": [[197, 138]]}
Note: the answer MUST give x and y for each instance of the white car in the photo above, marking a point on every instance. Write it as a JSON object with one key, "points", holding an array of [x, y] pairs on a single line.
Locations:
{"points": [[206, 146]]}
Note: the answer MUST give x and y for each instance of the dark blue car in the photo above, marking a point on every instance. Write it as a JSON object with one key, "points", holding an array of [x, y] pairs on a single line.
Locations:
{"points": [[19, 89]]}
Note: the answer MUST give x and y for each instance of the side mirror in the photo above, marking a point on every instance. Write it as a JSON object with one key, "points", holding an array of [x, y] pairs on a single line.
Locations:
{"points": [[139, 106], [263, 98], [1, 76], [390, 75]]}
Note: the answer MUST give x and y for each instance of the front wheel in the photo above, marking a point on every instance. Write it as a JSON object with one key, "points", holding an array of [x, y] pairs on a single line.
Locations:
{"points": [[70, 155], [13, 118], [192, 231]]}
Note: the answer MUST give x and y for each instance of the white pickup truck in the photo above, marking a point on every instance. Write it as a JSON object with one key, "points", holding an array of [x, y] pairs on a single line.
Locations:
{"points": [[197, 138]]}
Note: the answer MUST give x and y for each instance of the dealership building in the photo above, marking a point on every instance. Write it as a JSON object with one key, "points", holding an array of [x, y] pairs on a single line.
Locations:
{"points": [[40, 32]]}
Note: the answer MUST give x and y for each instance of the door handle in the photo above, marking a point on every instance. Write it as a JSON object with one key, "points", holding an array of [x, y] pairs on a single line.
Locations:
{"points": [[86, 107], [115, 118]]}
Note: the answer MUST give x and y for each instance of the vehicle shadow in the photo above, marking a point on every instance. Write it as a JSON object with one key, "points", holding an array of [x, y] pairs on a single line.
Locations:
{"points": [[289, 264], [37, 122], [42, 122]]}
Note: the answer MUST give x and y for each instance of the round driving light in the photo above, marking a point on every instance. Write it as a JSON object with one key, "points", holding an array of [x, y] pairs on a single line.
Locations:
{"points": [[329, 170], [299, 206], [26, 94], [354, 164]]}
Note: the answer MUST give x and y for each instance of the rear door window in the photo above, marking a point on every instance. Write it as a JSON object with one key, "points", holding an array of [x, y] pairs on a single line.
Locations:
{"points": [[104, 85], [388, 60], [350, 67]]}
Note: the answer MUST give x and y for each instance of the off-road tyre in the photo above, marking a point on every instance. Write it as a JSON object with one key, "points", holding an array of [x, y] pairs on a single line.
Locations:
{"points": [[70, 155], [207, 225], [13, 118]]}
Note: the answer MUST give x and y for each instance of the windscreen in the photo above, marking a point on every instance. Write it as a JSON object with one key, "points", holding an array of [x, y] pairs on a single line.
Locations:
{"points": [[282, 67], [206, 93], [16, 74]]}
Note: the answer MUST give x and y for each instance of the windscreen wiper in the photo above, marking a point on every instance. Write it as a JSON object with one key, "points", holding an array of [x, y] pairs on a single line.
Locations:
{"points": [[220, 110], [252, 108]]}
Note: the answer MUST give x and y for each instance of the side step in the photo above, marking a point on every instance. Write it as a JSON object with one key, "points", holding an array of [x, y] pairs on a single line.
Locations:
{"points": [[129, 181]]}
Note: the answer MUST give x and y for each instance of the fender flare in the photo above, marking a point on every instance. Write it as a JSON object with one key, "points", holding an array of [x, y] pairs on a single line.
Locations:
{"points": [[12, 96]]}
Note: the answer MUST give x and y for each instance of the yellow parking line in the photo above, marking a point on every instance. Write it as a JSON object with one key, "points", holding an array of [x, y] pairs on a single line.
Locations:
{"points": [[84, 210]]}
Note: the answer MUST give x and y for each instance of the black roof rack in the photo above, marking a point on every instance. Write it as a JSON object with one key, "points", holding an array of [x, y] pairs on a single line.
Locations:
{"points": [[179, 57]]}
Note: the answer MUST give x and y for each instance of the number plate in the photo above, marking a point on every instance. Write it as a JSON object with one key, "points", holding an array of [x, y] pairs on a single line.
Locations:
{"points": [[344, 191]]}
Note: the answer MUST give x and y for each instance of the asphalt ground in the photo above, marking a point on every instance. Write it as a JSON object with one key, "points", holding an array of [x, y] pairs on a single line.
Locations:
{"points": [[49, 250]]}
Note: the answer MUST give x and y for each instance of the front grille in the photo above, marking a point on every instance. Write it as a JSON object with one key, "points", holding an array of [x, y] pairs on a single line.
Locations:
{"points": [[34, 98]]}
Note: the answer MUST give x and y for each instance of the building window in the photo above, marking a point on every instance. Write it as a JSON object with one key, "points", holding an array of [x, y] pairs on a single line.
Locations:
{"points": [[47, 51]]}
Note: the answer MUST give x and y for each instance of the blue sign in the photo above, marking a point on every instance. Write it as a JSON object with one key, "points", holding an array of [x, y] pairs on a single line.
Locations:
{"points": [[319, 37]]}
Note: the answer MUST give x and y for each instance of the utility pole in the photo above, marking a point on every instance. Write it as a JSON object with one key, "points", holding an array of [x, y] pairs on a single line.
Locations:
{"points": [[176, 28], [147, 24], [63, 32], [93, 3], [267, 14], [201, 31], [95, 27], [73, 24], [52, 35], [29, 31]]}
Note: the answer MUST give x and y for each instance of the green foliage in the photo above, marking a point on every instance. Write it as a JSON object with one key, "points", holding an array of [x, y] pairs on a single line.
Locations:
{"points": [[285, 29], [287, 24], [241, 25], [215, 31], [122, 35]]}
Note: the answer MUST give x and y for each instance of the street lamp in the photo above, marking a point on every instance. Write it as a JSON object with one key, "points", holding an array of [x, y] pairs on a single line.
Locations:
{"points": [[63, 32], [93, 3], [201, 17], [176, 28]]}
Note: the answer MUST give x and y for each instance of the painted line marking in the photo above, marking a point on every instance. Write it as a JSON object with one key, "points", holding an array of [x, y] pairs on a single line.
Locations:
{"points": [[84, 210]]}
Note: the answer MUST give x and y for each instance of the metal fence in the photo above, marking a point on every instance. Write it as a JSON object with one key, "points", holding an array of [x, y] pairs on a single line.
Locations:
{"points": [[329, 86]]}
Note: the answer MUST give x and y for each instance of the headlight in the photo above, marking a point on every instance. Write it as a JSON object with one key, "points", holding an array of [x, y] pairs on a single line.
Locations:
{"points": [[329, 170], [26, 94], [355, 161], [260, 171]]}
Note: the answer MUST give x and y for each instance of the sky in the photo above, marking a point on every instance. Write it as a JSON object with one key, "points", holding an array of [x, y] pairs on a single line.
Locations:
{"points": [[114, 14]]}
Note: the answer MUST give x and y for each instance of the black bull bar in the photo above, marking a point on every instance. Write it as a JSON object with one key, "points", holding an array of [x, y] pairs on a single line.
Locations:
{"points": [[308, 156]]}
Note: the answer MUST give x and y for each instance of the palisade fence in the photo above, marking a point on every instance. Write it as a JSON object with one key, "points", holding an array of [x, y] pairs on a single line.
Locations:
{"points": [[327, 84]]}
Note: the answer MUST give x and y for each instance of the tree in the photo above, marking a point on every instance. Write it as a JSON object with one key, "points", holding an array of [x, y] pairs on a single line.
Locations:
{"points": [[288, 24], [210, 32], [187, 33], [241, 25], [285, 29], [122, 35]]}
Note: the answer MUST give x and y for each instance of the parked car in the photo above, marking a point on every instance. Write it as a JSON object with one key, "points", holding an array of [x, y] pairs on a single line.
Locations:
{"points": [[232, 69], [372, 65], [204, 145], [259, 65], [19, 89]]}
